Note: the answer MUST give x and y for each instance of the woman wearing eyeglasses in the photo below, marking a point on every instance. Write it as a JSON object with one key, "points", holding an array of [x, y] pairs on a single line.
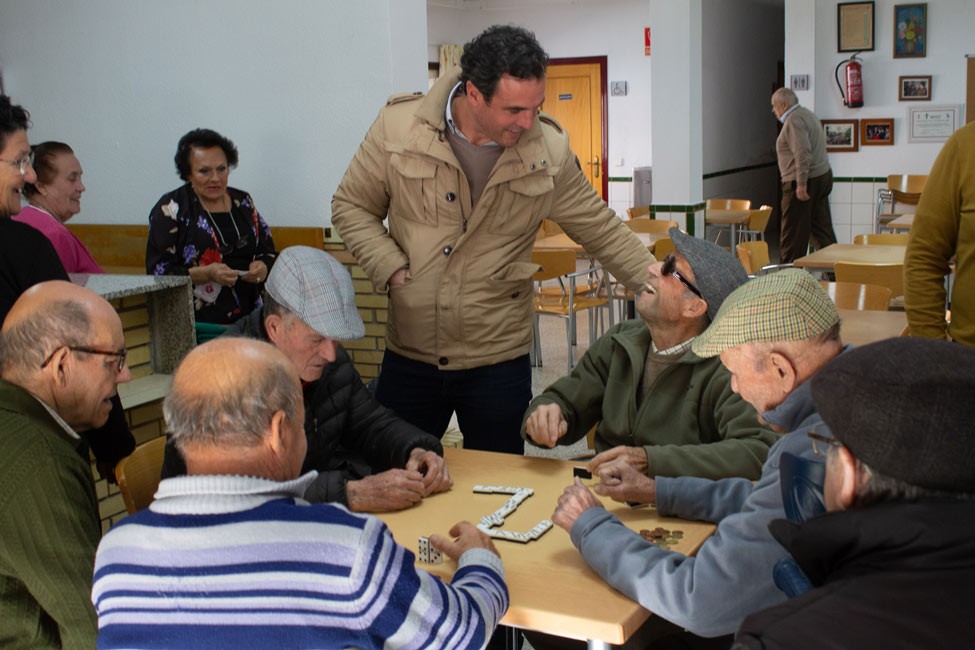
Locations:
{"points": [[211, 232]]}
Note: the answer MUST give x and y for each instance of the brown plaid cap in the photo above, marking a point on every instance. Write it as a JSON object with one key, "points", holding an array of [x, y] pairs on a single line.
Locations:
{"points": [[786, 306]]}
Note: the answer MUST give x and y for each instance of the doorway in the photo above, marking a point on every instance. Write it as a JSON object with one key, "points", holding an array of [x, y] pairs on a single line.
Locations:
{"points": [[575, 95]]}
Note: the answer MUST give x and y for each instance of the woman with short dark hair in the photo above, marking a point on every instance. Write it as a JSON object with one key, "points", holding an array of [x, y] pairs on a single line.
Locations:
{"points": [[211, 232]]}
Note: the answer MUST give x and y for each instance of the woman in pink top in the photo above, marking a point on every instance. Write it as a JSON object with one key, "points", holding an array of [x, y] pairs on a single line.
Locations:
{"points": [[54, 198]]}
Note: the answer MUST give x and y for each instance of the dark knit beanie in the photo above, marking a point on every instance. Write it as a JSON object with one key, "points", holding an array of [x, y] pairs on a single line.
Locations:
{"points": [[905, 407]]}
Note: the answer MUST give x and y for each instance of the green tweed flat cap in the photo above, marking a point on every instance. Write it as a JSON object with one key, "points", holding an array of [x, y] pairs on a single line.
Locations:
{"points": [[786, 306]]}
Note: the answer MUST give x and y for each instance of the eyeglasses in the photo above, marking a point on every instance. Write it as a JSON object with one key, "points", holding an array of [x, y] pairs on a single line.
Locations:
{"points": [[21, 163], [670, 268], [120, 353], [821, 443]]}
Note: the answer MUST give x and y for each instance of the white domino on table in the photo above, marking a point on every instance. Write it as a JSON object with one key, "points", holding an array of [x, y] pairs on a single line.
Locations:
{"points": [[428, 554], [489, 523]]}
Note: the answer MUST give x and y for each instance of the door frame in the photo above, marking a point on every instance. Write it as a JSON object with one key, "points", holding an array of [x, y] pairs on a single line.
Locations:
{"points": [[603, 110]]}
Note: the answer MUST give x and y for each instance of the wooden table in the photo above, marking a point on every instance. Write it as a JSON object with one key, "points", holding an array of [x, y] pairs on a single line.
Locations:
{"points": [[730, 218], [552, 588], [826, 258], [901, 223], [563, 242], [862, 327]]}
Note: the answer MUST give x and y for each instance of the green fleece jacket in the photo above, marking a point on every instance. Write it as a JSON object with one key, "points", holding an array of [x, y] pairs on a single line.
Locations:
{"points": [[48, 530], [691, 423]]}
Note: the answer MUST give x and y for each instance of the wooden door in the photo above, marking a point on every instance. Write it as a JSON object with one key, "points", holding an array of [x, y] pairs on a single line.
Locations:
{"points": [[575, 95]]}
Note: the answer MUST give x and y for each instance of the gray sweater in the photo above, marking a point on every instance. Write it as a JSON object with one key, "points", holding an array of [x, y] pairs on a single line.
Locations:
{"points": [[731, 575], [801, 147]]}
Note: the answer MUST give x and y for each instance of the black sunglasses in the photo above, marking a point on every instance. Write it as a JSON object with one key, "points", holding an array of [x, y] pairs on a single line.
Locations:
{"points": [[670, 268]]}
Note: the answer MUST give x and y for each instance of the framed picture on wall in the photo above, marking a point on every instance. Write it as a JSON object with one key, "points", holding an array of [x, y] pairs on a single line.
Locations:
{"points": [[910, 31], [914, 89], [932, 123], [842, 135], [877, 131], [854, 26]]}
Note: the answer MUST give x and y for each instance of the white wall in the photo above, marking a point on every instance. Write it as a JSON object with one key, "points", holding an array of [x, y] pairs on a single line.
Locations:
{"points": [[950, 24], [294, 84]]}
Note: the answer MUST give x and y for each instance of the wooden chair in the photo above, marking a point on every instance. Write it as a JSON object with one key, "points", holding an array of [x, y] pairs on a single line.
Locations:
{"points": [[285, 236], [560, 266], [883, 239], [753, 256], [117, 248], [654, 226], [138, 474], [757, 222], [728, 204], [663, 247], [904, 189], [885, 275], [862, 297], [638, 211]]}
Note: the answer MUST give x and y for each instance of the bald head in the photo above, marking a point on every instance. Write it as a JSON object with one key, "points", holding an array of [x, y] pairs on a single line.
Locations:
{"points": [[64, 344], [227, 394]]}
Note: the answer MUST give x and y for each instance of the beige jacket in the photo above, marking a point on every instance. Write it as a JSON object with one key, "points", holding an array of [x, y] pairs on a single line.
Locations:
{"points": [[801, 147], [467, 300]]}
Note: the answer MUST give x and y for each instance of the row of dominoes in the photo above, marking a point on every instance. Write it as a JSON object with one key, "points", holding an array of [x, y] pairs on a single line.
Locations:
{"points": [[428, 553], [501, 489], [537, 531]]}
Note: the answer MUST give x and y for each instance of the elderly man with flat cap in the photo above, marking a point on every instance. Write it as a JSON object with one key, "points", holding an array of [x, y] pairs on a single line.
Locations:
{"points": [[893, 562], [366, 457], [63, 355], [773, 334], [656, 406], [231, 556]]}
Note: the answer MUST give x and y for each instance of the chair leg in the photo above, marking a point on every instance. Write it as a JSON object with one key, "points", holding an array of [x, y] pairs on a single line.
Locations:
{"points": [[536, 349], [569, 338]]}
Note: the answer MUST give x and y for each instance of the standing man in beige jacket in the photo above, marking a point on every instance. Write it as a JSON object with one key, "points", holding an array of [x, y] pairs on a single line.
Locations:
{"points": [[465, 176], [806, 178]]}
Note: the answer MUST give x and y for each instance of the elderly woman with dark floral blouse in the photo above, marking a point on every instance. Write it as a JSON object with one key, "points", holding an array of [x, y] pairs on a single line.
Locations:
{"points": [[211, 232]]}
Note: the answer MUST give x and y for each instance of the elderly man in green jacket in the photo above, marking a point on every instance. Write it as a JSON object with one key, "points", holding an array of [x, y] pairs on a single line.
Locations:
{"points": [[657, 406]]}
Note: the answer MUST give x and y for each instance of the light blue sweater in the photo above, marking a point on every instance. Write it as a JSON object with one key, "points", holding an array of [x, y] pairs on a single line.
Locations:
{"points": [[731, 575], [241, 562]]}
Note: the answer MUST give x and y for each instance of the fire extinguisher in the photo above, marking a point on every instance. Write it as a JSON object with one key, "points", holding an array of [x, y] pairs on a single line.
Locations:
{"points": [[853, 97]]}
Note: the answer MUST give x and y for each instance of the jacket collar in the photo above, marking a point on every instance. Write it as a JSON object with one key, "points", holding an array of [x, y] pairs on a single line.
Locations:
{"points": [[16, 399]]}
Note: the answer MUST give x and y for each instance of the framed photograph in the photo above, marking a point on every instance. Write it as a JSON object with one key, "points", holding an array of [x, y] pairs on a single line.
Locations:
{"points": [[877, 131], [932, 123], [854, 26], [842, 135], [914, 89], [910, 31]]}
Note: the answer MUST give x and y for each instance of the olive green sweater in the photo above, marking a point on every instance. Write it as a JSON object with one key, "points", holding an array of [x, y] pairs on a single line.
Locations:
{"points": [[690, 422], [48, 530]]}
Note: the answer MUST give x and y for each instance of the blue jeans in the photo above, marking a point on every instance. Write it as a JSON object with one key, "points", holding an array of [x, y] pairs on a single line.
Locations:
{"points": [[490, 401]]}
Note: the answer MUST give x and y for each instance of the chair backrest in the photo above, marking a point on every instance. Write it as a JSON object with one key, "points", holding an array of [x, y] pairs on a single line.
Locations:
{"points": [[285, 236], [554, 264], [862, 297], [753, 255], [663, 247], [758, 219], [729, 204], [883, 239], [638, 211], [885, 275], [642, 224], [138, 474], [907, 183]]}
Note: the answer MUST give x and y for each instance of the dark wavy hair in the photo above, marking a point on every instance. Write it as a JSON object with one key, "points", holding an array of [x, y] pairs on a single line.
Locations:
{"points": [[13, 118], [500, 50], [202, 139], [43, 162]]}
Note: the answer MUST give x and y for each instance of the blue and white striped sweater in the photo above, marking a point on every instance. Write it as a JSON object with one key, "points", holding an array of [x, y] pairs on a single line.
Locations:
{"points": [[230, 561]]}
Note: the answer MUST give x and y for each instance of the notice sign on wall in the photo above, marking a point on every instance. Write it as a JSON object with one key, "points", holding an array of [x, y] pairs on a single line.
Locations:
{"points": [[646, 41]]}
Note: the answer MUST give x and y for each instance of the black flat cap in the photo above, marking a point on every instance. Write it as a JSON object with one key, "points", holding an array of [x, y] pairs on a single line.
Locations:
{"points": [[716, 271], [906, 407]]}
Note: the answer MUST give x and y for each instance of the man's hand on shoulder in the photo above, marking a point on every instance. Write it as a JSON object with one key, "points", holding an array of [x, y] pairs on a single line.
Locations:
{"points": [[635, 457], [546, 424], [467, 537], [391, 490], [575, 500], [620, 482], [433, 468]]}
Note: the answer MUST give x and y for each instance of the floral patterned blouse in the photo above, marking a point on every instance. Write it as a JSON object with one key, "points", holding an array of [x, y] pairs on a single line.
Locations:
{"points": [[182, 234]]}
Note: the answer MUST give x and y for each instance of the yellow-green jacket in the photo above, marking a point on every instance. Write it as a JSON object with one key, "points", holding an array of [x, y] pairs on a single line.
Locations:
{"points": [[467, 300]]}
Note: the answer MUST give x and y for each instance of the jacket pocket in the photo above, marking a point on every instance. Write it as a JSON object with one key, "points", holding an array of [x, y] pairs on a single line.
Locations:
{"points": [[522, 206], [413, 189]]}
